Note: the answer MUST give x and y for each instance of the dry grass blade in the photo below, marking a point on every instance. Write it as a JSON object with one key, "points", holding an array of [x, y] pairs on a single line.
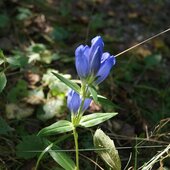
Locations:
{"points": [[130, 157], [156, 158], [92, 161], [142, 42]]}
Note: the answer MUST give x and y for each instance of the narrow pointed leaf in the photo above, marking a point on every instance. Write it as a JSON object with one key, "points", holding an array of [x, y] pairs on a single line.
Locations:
{"points": [[42, 154], [3, 81], [95, 119], [49, 147], [61, 126], [68, 82], [93, 93], [106, 102], [109, 153], [62, 159], [2, 57]]}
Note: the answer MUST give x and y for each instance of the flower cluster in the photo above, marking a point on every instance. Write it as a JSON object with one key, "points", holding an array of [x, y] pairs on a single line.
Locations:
{"points": [[92, 63], [93, 66]]}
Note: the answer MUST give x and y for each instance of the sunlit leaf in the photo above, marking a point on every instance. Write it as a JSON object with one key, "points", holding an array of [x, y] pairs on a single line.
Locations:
{"points": [[52, 108], [18, 111], [37, 48], [61, 126], [23, 13], [35, 96], [56, 86], [17, 61], [2, 57], [3, 81], [93, 93], [69, 83], [105, 102], [109, 153], [95, 119]]}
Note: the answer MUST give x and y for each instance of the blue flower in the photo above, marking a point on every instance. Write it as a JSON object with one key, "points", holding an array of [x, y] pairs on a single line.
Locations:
{"points": [[91, 63], [74, 101]]}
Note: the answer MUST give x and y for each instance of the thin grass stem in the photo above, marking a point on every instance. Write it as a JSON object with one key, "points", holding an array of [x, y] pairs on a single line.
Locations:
{"points": [[148, 39]]}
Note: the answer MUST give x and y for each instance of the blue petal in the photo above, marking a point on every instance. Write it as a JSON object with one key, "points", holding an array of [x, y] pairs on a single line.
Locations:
{"points": [[95, 54], [95, 61], [105, 56], [73, 101], [97, 41], [106, 65], [86, 52], [82, 63], [86, 104]]}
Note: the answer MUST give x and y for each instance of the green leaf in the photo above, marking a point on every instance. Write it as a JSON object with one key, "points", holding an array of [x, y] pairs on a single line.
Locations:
{"points": [[62, 159], [23, 13], [17, 61], [37, 48], [56, 86], [49, 146], [61, 126], [3, 81], [93, 93], [19, 91], [4, 127], [69, 83], [95, 119], [42, 154], [153, 60], [2, 57], [51, 108], [29, 145], [109, 153], [105, 102]]}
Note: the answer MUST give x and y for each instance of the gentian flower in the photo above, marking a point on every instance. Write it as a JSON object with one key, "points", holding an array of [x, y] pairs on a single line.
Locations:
{"points": [[91, 63], [74, 101]]}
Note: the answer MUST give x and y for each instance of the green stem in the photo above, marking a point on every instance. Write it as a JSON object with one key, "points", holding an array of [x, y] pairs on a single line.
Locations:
{"points": [[77, 147], [76, 119], [80, 112]]}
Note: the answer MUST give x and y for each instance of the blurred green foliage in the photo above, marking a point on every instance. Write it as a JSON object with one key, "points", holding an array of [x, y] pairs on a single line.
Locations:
{"points": [[4, 20], [4, 127], [30, 146]]}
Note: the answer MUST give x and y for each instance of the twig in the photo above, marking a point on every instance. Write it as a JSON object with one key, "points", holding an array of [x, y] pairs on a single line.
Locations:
{"points": [[150, 163]]}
